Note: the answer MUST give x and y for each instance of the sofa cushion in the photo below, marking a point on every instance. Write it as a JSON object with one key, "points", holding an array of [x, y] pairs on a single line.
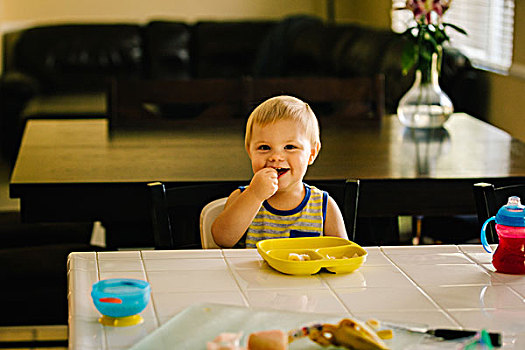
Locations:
{"points": [[293, 47], [226, 49], [361, 54], [79, 56], [167, 50]]}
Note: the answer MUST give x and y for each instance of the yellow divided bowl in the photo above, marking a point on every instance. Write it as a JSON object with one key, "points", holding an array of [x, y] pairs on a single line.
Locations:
{"points": [[335, 254]]}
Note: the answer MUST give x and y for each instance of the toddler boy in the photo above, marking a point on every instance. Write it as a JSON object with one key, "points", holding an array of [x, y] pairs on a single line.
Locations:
{"points": [[282, 140]]}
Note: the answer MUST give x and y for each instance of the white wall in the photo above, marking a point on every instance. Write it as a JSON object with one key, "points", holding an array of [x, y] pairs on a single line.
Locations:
{"points": [[143, 10]]}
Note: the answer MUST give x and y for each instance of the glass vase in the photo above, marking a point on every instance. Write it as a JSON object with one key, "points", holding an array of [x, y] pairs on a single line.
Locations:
{"points": [[425, 105]]}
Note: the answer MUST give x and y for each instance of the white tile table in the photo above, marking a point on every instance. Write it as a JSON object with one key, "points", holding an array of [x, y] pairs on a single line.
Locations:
{"points": [[441, 286]]}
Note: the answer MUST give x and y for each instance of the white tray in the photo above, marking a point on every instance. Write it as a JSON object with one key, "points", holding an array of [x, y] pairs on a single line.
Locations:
{"points": [[193, 327]]}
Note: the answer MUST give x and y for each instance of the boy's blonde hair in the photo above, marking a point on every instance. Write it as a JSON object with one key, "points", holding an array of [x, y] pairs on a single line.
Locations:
{"points": [[284, 108]]}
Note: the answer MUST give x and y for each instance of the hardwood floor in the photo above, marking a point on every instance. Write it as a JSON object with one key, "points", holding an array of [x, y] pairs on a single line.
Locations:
{"points": [[34, 337]]}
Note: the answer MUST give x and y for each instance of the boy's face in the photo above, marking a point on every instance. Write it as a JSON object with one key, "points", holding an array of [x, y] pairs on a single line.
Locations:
{"points": [[284, 146]]}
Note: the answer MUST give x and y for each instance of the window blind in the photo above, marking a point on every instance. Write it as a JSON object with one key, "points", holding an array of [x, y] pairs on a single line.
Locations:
{"points": [[488, 23]]}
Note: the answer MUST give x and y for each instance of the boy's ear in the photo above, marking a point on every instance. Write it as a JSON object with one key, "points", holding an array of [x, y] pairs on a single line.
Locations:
{"points": [[314, 152]]}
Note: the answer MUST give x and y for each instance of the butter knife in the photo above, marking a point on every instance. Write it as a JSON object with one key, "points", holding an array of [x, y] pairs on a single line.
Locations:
{"points": [[446, 333]]}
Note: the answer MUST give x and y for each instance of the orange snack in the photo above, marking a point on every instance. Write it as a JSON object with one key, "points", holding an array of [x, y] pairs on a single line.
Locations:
{"points": [[268, 340]]}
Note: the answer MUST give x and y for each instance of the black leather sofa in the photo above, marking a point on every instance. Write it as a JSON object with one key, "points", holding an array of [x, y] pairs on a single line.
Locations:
{"points": [[62, 71]]}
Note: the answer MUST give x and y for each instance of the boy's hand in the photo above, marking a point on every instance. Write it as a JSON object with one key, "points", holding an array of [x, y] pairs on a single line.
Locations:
{"points": [[264, 183]]}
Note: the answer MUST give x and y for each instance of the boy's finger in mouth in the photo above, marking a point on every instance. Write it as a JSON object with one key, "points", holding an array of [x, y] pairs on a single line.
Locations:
{"points": [[281, 171]]}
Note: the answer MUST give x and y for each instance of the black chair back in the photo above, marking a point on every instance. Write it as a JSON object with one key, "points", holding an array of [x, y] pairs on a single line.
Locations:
{"points": [[488, 201], [176, 211]]}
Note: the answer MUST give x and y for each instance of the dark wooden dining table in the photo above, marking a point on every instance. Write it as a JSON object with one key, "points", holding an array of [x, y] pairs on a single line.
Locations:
{"points": [[81, 170]]}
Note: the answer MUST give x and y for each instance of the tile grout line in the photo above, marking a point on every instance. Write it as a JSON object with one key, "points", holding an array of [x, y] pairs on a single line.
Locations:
{"points": [[466, 254], [508, 286], [244, 297], [157, 319], [97, 264], [334, 293], [436, 304]]}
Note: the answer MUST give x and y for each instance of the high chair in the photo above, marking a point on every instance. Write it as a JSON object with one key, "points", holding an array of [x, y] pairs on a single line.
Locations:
{"points": [[208, 215], [179, 212]]}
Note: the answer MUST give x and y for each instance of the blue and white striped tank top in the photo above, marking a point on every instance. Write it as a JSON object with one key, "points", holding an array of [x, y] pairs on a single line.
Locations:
{"points": [[306, 220]]}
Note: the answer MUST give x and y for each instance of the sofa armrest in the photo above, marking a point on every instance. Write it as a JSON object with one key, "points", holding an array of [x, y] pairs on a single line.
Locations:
{"points": [[16, 90], [17, 84]]}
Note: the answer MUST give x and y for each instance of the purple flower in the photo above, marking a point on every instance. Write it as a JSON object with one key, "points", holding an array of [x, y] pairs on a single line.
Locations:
{"points": [[428, 35], [423, 9]]}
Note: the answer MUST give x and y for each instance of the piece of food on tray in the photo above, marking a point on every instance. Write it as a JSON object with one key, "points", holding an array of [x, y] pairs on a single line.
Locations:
{"points": [[385, 333], [268, 340], [225, 341], [381, 333], [298, 257], [348, 333], [373, 323]]}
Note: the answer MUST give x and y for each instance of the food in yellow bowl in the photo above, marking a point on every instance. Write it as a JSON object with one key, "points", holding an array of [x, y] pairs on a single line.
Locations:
{"points": [[307, 255]]}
